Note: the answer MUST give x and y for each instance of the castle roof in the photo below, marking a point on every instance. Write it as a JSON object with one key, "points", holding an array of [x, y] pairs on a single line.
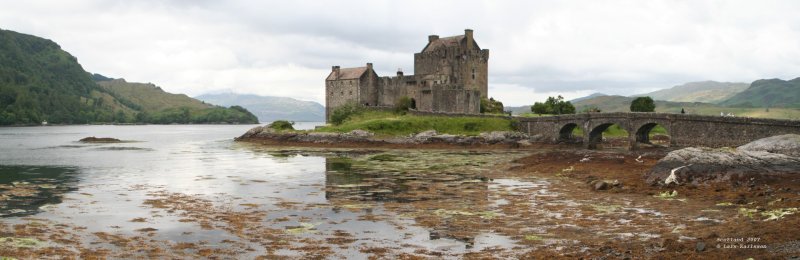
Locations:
{"points": [[446, 42], [347, 73]]}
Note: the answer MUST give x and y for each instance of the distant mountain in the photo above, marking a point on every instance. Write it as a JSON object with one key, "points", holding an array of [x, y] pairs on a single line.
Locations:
{"points": [[154, 105], [703, 91], [622, 104], [771, 93], [588, 97], [268, 108]]}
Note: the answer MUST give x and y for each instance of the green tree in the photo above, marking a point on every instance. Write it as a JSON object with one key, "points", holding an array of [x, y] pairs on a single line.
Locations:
{"points": [[491, 106], [643, 104], [540, 108], [554, 106]]}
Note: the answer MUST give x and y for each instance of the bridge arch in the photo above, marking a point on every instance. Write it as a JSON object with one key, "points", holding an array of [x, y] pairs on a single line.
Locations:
{"points": [[643, 132], [595, 136], [567, 133]]}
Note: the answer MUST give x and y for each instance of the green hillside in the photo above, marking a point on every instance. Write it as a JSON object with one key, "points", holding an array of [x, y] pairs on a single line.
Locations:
{"points": [[772, 93], [151, 104], [703, 91], [40, 82]]}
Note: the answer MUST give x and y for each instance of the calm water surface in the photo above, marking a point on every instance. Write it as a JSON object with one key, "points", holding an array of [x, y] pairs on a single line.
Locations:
{"points": [[313, 194]]}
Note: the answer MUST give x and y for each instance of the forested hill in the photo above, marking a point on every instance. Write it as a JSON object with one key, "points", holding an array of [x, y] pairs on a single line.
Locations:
{"points": [[41, 82]]}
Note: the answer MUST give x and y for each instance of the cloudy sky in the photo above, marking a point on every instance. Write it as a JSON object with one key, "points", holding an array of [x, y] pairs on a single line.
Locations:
{"points": [[538, 48]]}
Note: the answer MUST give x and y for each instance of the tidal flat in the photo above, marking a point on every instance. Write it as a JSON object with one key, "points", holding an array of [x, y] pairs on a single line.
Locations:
{"points": [[190, 192]]}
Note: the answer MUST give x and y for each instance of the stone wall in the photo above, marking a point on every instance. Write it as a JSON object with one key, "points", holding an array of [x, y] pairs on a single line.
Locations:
{"points": [[684, 130], [340, 92]]}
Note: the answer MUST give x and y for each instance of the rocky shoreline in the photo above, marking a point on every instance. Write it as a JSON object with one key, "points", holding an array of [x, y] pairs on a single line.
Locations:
{"points": [[265, 134], [772, 156]]}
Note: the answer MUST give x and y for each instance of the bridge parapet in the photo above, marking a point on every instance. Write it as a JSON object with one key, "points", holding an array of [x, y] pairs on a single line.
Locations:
{"points": [[684, 130]]}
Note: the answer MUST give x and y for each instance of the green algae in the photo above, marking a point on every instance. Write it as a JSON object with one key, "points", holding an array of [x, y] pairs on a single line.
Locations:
{"points": [[533, 238], [304, 228], [20, 242], [747, 212], [777, 214], [606, 208]]}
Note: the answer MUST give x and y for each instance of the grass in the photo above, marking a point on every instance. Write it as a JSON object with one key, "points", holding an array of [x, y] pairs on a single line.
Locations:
{"points": [[391, 124]]}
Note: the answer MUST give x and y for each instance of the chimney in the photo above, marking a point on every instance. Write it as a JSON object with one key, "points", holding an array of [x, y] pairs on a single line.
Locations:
{"points": [[468, 35], [335, 70], [432, 38], [369, 65], [399, 72]]}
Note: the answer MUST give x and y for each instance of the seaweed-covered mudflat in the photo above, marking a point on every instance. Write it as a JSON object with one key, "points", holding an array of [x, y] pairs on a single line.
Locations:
{"points": [[190, 192]]}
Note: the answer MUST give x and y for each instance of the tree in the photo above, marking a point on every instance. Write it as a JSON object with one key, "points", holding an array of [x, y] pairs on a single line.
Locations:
{"points": [[643, 104], [491, 106], [553, 105], [539, 108]]}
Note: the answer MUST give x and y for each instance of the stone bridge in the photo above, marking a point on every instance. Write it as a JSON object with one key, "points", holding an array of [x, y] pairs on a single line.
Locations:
{"points": [[683, 129]]}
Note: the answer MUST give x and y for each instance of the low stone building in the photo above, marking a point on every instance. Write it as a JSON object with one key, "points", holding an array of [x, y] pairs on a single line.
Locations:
{"points": [[451, 76]]}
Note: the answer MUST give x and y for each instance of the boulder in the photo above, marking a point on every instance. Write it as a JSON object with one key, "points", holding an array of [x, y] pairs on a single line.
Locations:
{"points": [[781, 144], [696, 165], [360, 133], [93, 139]]}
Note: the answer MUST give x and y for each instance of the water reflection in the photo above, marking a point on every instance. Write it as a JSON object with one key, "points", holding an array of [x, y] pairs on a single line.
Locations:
{"points": [[451, 204], [25, 190]]}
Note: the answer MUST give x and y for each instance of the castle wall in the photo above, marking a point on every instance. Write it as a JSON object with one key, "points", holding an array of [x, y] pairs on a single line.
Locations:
{"points": [[451, 76], [454, 65], [340, 92]]}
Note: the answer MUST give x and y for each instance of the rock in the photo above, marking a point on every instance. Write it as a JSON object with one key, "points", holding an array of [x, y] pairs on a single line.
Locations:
{"points": [[706, 164], [360, 133], [702, 164], [493, 137], [93, 139], [700, 246], [600, 185], [426, 134], [780, 144]]}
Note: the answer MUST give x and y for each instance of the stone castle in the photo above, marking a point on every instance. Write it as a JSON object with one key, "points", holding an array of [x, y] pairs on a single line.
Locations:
{"points": [[451, 76]]}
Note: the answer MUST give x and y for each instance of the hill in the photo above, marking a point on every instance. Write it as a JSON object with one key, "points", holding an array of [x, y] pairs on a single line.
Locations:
{"points": [[703, 91], [768, 93], [622, 104], [588, 97], [151, 104], [268, 108], [41, 82]]}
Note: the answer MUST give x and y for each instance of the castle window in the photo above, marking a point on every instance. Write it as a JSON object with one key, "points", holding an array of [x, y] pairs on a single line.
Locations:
{"points": [[351, 92], [342, 93]]}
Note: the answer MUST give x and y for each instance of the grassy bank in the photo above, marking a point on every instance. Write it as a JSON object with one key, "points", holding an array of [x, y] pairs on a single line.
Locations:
{"points": [[390, 124]]}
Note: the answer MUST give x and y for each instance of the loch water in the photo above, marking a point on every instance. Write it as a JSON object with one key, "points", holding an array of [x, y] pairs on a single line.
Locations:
{"points": [[367, 198]]}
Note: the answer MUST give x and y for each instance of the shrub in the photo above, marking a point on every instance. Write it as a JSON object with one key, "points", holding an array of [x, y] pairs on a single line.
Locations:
{"points": [[281, 125], [402, 105], [491, 106], [342, 113]]}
